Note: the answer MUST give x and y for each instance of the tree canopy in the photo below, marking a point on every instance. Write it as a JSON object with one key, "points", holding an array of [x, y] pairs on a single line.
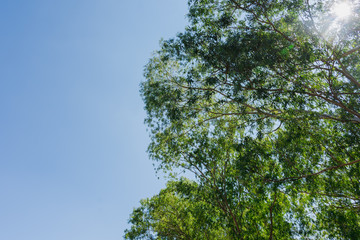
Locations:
{"points": [[261, 101]]}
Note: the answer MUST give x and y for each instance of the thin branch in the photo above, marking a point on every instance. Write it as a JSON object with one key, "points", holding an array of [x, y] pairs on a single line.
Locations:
{"points": [[313, 174], [350, 52]]}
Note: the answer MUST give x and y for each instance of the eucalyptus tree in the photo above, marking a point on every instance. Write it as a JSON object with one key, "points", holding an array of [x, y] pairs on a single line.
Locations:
{"points": [[261, 101], [179, 211]]}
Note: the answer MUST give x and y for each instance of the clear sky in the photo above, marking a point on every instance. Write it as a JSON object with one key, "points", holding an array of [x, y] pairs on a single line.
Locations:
{"points": [[72, 139]]}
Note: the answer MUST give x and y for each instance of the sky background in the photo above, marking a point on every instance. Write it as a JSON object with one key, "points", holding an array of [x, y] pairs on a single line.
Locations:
{"points": [[73, 160]]}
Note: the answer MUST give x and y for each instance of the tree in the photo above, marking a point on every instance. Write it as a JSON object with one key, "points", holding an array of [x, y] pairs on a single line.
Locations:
{"points": [[260, 100], [178, 212]]}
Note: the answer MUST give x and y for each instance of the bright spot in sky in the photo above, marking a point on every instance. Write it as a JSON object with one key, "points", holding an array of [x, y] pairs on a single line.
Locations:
{"points": [[342, 10]]}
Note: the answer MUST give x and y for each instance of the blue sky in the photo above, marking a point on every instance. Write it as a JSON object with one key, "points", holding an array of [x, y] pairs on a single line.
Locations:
{"points": [[72, 139]]}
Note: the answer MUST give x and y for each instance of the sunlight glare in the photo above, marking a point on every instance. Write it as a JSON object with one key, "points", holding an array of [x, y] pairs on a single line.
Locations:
{"points": [[342, 10]]}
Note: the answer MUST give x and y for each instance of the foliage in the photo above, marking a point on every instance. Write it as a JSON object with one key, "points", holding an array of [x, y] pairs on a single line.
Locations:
{"points": [[178, 212], [260, 100]]}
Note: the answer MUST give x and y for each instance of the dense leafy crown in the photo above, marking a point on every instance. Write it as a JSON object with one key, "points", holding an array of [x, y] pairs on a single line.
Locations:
{"points": [[261, 101]]}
